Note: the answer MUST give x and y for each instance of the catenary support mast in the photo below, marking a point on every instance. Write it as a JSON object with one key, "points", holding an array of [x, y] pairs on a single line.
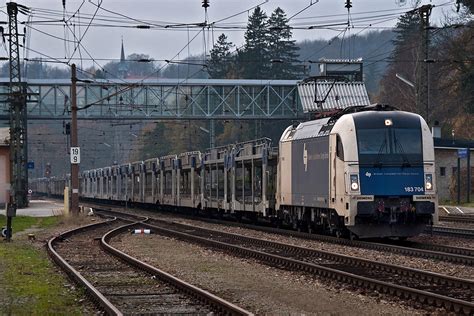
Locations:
{"points": [[18, 114], [423, 87], [74, 144]]}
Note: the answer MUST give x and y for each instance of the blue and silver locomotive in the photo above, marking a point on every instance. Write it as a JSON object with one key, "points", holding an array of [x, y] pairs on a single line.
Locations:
{"points": [[367, 170]]}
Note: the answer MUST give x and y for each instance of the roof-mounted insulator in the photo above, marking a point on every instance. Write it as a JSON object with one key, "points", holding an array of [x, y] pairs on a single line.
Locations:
{"points": [[205, 4]]}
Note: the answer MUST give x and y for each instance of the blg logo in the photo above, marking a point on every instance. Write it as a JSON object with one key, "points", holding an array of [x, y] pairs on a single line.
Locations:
{"points": [[305, 158]]}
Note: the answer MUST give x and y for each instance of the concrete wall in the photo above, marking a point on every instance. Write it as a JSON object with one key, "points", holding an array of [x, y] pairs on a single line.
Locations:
{"points": [[448, 159], [4, 173]]}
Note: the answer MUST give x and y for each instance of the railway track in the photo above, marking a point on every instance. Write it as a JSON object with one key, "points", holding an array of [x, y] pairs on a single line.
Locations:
{"points": [[408, 248], [453, 294], [451, 231], [414, 249], [421, 250], [120, 284], [457, 218]]}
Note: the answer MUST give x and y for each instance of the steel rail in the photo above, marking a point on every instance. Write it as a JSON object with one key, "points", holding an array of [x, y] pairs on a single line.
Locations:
{"points": [[95, 294], [222, 306], [436, 277], [454, 232], [401, 291], [102, 302], [429, 251], [457, 218]]}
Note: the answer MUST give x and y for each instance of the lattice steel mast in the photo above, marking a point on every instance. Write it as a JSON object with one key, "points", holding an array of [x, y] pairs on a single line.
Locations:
{"points": [[18, 114]]}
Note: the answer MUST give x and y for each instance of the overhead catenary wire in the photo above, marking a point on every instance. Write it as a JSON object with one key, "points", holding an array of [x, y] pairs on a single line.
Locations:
{"points": [[367, 27], [85, 32], [74, 14], [242, 27]]}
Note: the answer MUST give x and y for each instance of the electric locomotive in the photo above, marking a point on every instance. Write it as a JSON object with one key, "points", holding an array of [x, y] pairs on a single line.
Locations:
{"points": [[368, 171]]}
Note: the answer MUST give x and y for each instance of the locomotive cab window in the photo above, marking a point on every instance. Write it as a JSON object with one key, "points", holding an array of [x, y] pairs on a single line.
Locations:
{"points": [[339, 148], [397, 143]]}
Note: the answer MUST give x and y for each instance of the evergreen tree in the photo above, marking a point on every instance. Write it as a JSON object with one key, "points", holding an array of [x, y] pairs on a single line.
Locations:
{"points": [[282, 49], [405, 58], [221, 61], [407, 33], [254, 60]]}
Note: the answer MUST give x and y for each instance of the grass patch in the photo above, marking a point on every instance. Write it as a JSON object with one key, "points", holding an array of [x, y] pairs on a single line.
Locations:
{"points": [[20, 223], [30, 284]]}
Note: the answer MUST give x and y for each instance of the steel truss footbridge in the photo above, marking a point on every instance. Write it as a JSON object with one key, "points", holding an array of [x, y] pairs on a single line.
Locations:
{"points": [[161, 99]]}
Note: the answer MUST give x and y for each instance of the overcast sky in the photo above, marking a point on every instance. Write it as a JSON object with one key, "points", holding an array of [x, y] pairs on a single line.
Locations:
{"points": [[104, 42]]}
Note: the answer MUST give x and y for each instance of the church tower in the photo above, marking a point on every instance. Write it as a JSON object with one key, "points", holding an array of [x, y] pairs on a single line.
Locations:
{"points": [[123, 67]]}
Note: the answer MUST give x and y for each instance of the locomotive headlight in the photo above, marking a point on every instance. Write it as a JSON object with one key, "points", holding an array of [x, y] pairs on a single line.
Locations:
{"points": [[354, 182], [429, 182]]}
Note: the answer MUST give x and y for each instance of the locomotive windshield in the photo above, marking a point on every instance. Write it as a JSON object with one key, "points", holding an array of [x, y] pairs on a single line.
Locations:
{"points": [[390, 145]]}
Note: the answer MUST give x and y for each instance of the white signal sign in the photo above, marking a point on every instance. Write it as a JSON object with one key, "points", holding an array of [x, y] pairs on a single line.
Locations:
{"points": [[75, 155]]}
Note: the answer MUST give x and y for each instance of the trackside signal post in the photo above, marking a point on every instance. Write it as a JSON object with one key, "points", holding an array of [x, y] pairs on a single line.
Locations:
{"points": [[75, 150]]}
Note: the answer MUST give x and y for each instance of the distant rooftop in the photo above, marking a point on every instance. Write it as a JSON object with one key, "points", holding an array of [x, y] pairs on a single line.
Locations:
{"points": [[453, 143]]}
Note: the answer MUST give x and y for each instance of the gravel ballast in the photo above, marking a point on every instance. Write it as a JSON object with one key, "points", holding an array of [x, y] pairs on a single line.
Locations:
{"points": [[447, 268], [257, 287], [437, 266]]}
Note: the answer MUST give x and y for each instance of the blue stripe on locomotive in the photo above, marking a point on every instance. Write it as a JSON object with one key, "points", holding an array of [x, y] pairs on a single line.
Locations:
{"points": [[388, 181]]}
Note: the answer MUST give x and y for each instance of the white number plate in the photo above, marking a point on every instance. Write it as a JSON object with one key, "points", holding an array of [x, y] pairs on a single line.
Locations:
{"points": [[414, 189], [75, 155]]}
